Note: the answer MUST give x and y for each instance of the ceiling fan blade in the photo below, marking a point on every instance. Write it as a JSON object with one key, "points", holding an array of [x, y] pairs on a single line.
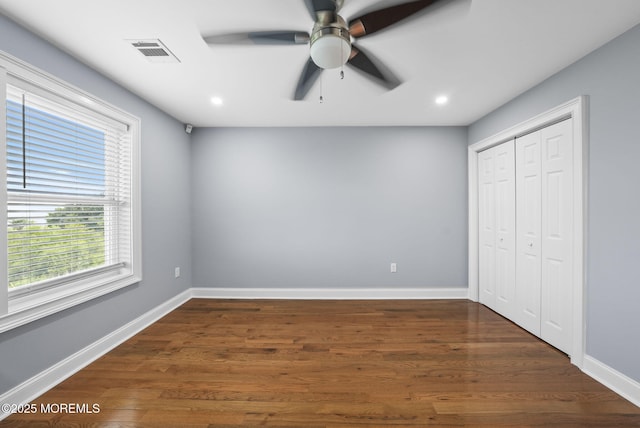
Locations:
{"points": [[372, 68], [309, 75], [372, 22], [259, 38]]}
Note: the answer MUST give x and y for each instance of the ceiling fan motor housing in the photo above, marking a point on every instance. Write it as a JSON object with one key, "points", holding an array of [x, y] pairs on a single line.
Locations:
{"points": [[330, 41]]}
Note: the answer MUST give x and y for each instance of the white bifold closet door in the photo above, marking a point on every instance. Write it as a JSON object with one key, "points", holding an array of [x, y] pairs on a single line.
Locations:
{"points": [[544, 189], [497, 228], [528, 230], [524, 212]]}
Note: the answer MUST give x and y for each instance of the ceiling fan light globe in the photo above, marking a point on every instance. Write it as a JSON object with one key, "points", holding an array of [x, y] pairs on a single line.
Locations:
{"points": [[330, 51]]}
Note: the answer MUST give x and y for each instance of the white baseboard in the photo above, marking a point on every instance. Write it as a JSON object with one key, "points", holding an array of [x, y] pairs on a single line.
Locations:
{"points": [[612, 379], [42, 382], [331, 293]]}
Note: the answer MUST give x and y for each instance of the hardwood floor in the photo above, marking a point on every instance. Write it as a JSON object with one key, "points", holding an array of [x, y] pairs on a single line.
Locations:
{"points": [[213, 363]]}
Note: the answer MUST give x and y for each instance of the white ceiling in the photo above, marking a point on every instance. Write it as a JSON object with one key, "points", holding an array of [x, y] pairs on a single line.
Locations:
{"points": [[480, 53]]}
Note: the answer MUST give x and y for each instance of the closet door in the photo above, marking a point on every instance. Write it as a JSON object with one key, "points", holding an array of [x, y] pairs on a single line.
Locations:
{"points": [[556, 233], [528, 247], [497, 228], [486, 227], [505, 229], [544, 189]]}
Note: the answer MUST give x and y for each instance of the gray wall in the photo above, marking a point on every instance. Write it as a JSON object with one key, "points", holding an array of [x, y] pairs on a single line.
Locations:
{"points": [[611, 78], [32, 348], [329, 207]]}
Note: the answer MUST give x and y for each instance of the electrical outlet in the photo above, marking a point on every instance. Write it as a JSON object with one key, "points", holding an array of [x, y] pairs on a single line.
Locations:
{"points": [[394, 267], [177, 272]]}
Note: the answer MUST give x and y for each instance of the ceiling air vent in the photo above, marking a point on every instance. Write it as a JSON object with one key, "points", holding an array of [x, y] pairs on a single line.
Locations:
{"points": [[154, 50]]}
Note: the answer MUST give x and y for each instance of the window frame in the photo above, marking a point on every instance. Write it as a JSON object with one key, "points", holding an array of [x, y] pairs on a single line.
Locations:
{"points": [[21, 308]]}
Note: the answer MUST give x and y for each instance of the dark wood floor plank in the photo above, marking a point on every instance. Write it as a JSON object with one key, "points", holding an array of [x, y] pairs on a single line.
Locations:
{"points": [[225, 363]]}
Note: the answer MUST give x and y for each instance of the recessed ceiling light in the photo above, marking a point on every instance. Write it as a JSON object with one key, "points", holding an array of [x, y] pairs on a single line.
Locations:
{"points": [[442, 100], [216, 101]]}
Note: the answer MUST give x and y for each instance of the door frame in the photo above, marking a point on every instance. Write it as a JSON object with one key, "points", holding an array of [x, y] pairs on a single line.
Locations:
{"points": [[577, 109]]}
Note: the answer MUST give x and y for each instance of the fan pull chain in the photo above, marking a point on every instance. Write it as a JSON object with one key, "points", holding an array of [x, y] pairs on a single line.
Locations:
{"points": [[321, 97]]}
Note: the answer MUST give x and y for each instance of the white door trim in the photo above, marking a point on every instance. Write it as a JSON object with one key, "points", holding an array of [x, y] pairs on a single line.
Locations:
{"points": [[576, 109]]}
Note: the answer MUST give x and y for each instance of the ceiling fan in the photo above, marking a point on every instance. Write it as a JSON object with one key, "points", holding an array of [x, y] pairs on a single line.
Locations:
{"points": [[332, 40]]}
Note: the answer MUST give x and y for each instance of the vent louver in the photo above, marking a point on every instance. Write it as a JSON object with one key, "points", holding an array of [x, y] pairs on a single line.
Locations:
{"points": [[154, 50]]}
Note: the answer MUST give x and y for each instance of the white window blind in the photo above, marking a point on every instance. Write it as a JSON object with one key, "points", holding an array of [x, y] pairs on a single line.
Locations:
{"points": [[68, 189]]}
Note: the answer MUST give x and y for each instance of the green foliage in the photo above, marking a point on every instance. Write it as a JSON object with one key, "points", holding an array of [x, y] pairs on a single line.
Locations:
{"points": [[72, 240], [91, 216]]}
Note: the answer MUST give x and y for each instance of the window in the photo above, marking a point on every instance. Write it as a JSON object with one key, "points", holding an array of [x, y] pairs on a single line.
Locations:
{"points": [[71, 195]]}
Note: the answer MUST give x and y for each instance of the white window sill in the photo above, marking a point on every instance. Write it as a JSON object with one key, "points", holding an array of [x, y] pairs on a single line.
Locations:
{"points": [[25, 309]]}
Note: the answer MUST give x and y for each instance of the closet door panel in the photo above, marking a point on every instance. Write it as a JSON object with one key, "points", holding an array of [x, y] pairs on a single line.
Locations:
{"points": [[486, 220], [528, 232], [556, 274], [505, 229]]}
